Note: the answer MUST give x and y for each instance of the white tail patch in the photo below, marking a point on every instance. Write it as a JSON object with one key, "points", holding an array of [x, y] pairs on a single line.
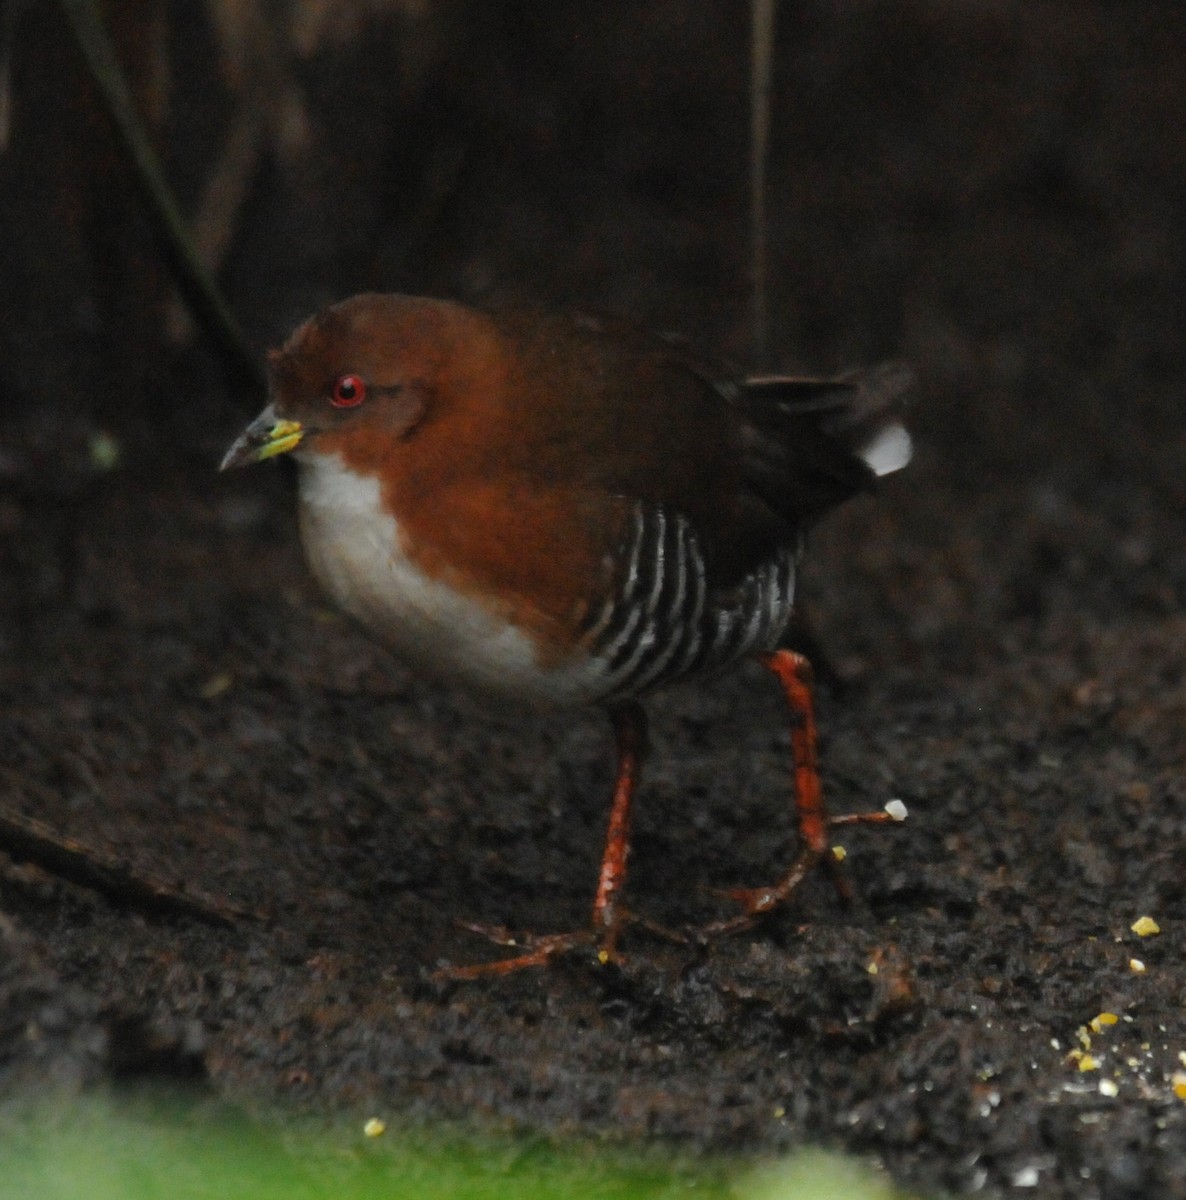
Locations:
{"points": [[888, 450]]}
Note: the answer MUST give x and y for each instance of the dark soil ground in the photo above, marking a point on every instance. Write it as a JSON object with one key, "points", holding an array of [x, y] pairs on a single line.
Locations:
{"points": [[992, 192]]}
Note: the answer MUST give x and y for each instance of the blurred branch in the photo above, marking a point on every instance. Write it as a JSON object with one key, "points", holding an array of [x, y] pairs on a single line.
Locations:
{"points": [[8, 19], [195, 282], [761, 70], [222, 200]]}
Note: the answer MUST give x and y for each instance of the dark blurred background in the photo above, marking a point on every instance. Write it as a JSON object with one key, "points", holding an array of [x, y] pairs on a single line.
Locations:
{"points": [[992, 186], [990, 190]]}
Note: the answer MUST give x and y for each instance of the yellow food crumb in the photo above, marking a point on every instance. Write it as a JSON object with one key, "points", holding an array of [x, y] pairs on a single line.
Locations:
{"points": [[374, 1127], [1088, 1062], [216, 685], [1145, 927], [1104, 1018], [1084, 1037], [1136, 966], [839, 853], [872, 968], [1178, 1079]]}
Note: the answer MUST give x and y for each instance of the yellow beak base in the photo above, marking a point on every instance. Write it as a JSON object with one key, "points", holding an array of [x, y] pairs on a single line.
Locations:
{"points": [[266, 437]]}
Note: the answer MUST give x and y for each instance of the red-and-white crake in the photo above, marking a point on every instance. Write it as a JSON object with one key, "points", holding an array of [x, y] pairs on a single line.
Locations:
{"points": [[563, 511]]}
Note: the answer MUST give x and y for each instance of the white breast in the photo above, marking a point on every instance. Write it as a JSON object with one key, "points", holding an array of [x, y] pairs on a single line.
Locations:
{"points": [[358, 554]]}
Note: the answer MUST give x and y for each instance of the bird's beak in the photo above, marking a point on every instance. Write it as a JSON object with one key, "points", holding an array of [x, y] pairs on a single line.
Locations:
{"points": [[266, 436]]}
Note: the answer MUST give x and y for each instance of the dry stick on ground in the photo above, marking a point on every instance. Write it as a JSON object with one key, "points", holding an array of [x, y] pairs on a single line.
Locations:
{"points": [[29, 840]]}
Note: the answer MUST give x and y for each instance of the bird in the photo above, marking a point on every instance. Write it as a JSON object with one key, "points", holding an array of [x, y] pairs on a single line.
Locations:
{"points": [[557, 511]]}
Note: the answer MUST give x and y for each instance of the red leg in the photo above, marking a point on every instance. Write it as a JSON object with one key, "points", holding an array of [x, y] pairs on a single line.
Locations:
{"points": [[630, 731], [794, 673]]}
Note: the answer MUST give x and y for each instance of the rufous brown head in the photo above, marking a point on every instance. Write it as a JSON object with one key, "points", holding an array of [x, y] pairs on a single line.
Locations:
{"points": [[365, 367]]}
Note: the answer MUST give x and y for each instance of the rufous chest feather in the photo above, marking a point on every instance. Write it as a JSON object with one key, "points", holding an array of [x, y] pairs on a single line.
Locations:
{"points": [[366, 560]]}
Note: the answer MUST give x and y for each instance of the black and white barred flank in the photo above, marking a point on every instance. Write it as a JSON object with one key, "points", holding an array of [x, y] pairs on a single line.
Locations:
{"points": [[663, 623]]}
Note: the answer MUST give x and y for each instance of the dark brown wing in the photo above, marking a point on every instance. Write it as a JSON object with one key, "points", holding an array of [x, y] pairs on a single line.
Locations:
{"points": [[810, 444], [750, 465]]}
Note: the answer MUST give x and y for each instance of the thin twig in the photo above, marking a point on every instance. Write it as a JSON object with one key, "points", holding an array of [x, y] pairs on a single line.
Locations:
{"points": [[9, 13], [761, 73], [222, 199], [195, 281]]}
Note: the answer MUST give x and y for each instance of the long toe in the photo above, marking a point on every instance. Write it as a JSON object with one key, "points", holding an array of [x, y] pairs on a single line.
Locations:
{"points": [[538, 951]]}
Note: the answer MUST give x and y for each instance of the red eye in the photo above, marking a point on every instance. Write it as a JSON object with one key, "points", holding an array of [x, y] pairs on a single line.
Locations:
{"points": [[348, 391]]}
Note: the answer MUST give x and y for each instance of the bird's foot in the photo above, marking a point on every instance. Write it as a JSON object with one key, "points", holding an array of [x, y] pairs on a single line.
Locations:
{"points": [[538, 950], [756, 902]]}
